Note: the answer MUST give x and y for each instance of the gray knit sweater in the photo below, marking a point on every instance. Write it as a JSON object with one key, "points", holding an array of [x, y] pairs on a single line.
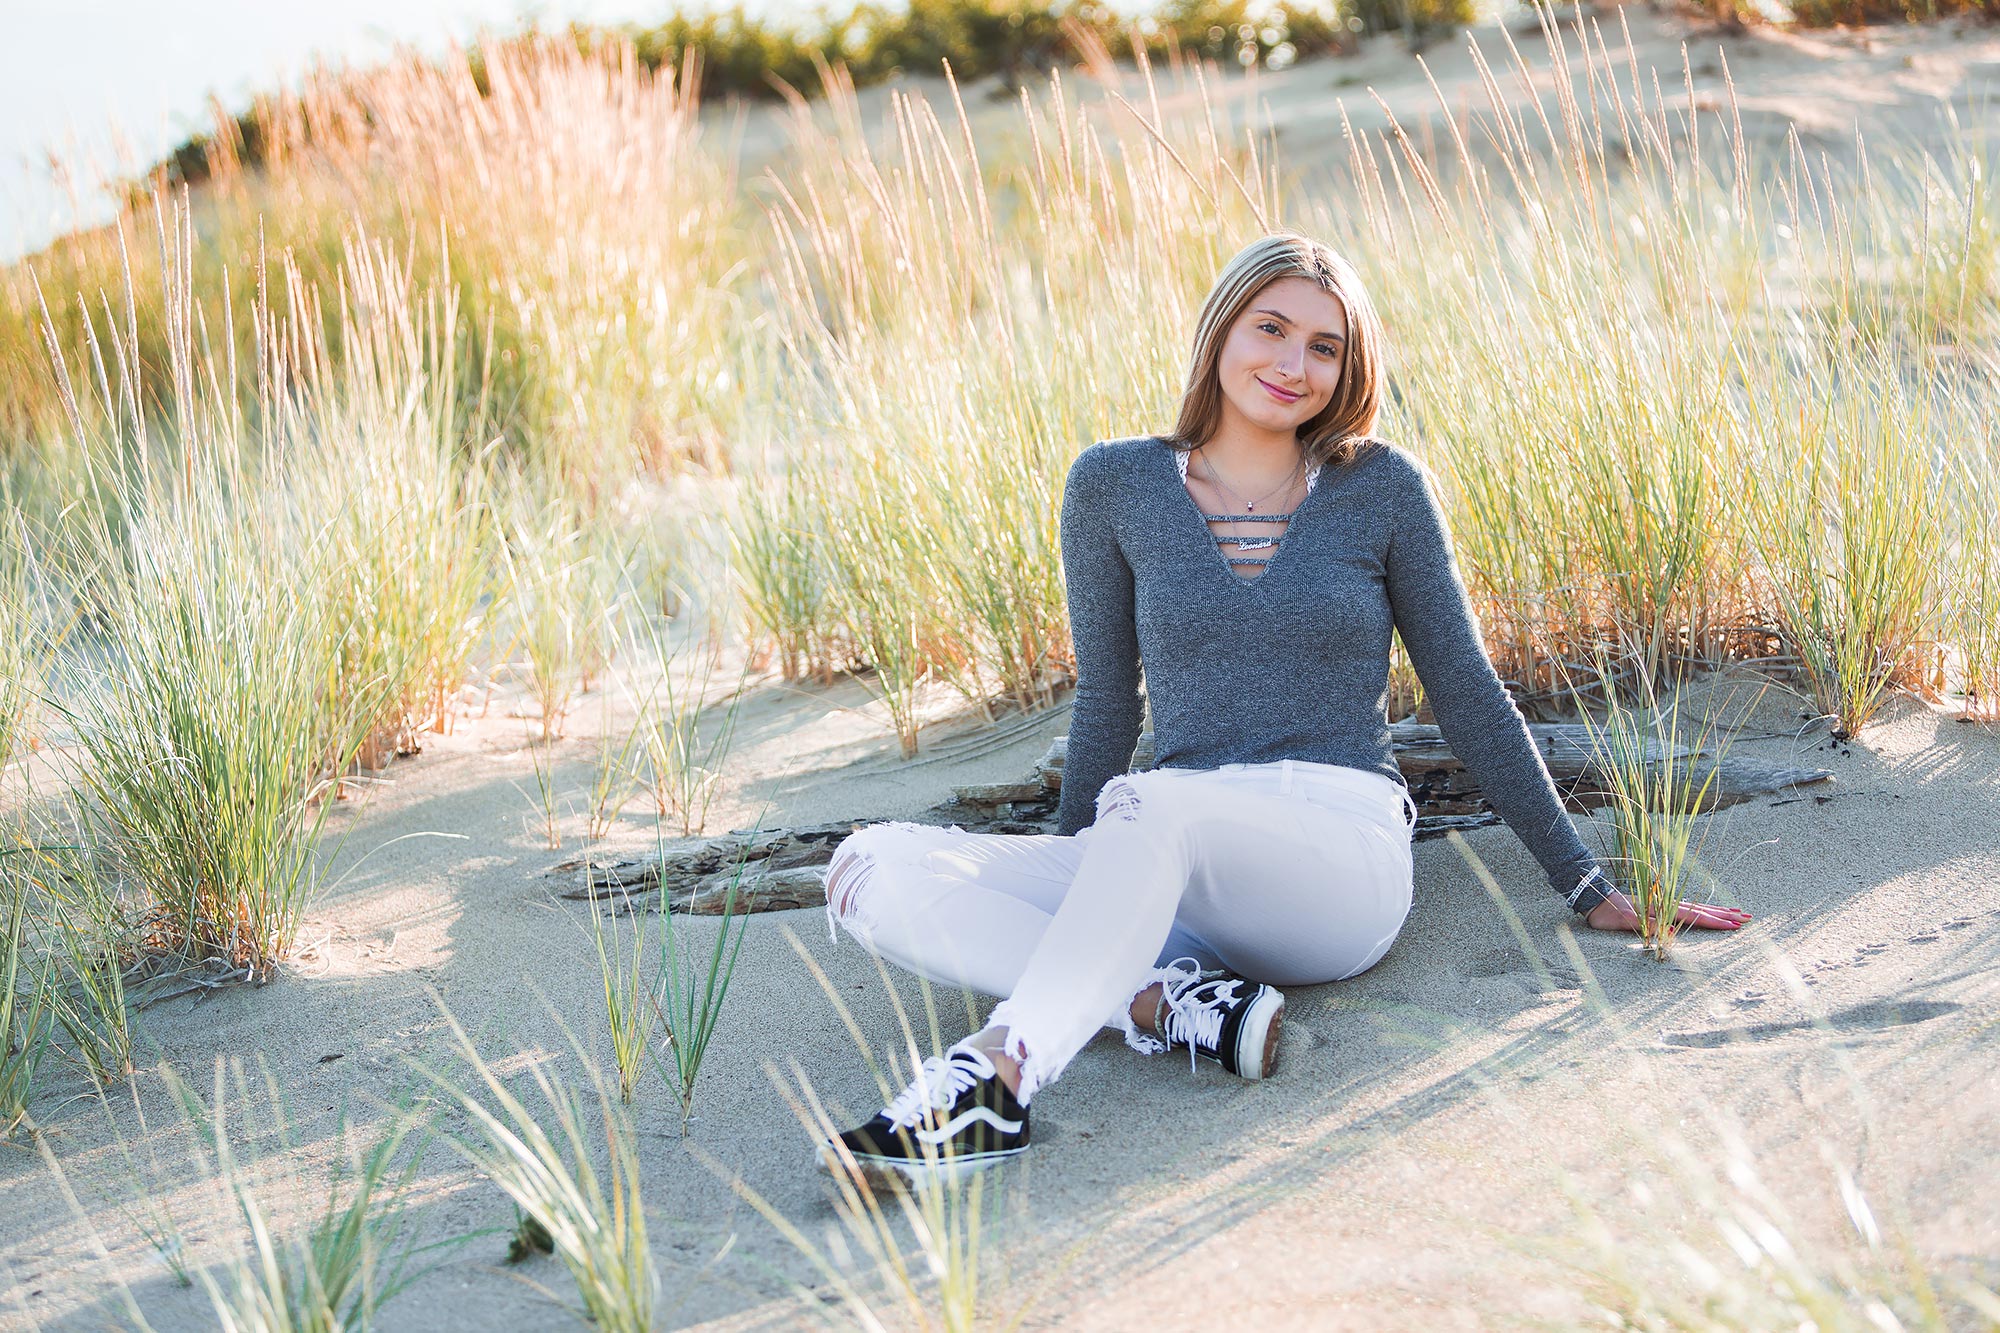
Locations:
{"points": [[1292, 664]]}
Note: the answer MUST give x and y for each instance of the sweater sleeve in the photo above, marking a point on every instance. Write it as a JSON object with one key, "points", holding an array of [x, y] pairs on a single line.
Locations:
{"points": [[1104, 723], [1474, 711]]}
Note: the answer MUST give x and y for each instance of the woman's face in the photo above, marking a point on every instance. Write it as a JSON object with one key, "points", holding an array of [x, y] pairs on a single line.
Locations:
{"points": [[1282, 357]]}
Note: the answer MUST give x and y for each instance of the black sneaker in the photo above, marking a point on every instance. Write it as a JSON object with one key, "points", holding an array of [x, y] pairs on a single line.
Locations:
{"points": [[1232, 1021], [956, 1117]]}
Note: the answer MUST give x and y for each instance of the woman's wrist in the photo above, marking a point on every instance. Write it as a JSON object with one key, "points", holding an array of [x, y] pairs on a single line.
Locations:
{"points": [[1592, 888]]}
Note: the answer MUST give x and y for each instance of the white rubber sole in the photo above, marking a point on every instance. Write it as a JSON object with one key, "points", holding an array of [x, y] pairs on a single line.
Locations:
{"points": [[912, 1172], [1257, 1040]]}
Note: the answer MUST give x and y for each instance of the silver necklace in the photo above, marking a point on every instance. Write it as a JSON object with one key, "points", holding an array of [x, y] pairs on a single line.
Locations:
{"points": [[1250, 506]]}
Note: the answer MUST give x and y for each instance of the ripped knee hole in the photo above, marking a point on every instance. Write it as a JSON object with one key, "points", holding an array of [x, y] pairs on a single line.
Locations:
{"points": [[846, 876], [1119, 799]]}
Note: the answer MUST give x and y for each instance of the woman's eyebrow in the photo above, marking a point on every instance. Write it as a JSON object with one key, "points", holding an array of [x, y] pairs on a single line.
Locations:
{"points": [[1323, 333]]}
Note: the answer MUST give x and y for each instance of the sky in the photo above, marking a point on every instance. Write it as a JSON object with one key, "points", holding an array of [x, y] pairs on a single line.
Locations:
{"points": [[101, 79]]}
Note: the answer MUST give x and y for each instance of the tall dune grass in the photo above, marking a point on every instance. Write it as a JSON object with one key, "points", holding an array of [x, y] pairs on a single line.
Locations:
{"points": [[594, 1217], [569, 199], [947, 1278], [63, 960], [271, 587], [83, 938], [1850, 521], [562, 573], [1632, 350], [782, 582], [376, 436], [25, 1017], [337, 1271], [24, 635], [1973, 619], [683, 747], [207, 733]]}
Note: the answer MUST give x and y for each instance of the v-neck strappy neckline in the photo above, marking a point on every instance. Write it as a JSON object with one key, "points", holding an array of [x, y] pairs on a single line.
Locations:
{"points": [[1181, 457], [1277, 546]]}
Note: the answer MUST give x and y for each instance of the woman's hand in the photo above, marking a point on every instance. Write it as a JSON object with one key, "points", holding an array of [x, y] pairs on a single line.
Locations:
{"points": [[1615, 913]]}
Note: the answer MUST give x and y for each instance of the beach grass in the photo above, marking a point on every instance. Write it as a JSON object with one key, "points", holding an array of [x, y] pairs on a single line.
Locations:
{"points": [[227, 675], [1661, 773], [590, 303], [684, 748], [1852, 525], [625, 956], [414, 534], [690, 986], [26, 1020], [934, 1280], [206, 741], [548, 796], [781, 580], [594, 1217], [613, 777], [1974, 615], [25, 636], [345, 1263], [86, 942], [562, 587]]}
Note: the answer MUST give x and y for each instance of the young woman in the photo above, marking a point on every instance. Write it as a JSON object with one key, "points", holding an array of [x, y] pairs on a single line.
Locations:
{"points": [[1257, 560]]}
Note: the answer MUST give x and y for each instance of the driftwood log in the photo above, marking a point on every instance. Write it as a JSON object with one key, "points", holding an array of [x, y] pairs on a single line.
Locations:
{"points": [[778, 869]]}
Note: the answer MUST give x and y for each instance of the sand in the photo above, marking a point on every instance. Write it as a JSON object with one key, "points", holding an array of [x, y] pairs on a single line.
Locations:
{"points": [[1404, 1169], [1409, 1167]]}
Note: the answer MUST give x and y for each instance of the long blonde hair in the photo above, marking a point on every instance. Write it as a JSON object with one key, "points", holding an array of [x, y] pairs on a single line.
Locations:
{"points": [[1336, 432]]}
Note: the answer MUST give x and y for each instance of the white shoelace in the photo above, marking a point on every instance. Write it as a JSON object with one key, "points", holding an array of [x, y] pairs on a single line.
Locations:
{"points": [[1196, 1010], [940, 1081]]}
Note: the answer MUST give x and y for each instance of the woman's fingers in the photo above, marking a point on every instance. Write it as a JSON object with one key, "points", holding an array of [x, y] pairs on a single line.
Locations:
{"points": [[1712, 915]]}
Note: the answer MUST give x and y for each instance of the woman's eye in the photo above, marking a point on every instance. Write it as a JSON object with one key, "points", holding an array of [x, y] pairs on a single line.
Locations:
{"points": [[1327, 349]]}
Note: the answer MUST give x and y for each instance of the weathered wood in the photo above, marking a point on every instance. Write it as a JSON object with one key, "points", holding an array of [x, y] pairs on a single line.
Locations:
{"points": [[780, 870], [1000, 793], [777, 891]]}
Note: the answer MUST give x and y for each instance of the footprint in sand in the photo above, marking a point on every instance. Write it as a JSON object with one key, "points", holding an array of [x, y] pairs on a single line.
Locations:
{"points": [[1873, 1016], [1863, 954]]}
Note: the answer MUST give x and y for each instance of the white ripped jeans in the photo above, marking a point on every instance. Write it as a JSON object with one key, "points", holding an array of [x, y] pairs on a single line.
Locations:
{"points": [[1288, 873]]}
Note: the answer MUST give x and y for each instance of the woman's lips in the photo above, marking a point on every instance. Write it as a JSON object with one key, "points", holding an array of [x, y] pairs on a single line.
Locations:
{"points": [[1278, 393]]}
